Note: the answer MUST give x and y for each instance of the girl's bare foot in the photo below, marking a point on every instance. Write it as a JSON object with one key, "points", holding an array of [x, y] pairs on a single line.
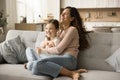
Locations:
{"points": [[25, 66]]}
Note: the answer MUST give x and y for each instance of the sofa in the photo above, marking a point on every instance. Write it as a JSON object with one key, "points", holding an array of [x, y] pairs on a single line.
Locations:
{"points": [[102, 46]]}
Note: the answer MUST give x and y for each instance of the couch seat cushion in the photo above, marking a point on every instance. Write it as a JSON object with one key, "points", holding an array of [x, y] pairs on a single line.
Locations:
{"points": [[17, 72], [95, 75]]}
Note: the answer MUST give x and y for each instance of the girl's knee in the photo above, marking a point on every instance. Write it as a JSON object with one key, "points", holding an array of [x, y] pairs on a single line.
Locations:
{"points": [[28, 50]]}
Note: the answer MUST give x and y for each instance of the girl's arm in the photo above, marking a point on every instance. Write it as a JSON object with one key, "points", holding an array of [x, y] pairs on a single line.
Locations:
{"points": [[42, 46]]}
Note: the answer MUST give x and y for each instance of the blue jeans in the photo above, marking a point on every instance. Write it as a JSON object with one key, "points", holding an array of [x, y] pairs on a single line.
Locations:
{"points": [[50, 66]]}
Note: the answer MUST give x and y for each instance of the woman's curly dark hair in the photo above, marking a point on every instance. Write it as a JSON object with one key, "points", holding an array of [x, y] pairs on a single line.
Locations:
{"points": [[77, 22]]}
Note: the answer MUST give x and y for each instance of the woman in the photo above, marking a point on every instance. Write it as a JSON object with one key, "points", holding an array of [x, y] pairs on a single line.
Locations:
{"points": [[73, 39]]}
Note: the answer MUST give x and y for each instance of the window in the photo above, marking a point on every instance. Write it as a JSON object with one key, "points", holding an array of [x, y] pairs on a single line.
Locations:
{"points": [[33, 10]]}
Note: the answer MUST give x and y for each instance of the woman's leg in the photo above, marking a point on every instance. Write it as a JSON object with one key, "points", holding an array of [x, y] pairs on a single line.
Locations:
{"points": [[63, 65], [31, 56], [54, 66]]}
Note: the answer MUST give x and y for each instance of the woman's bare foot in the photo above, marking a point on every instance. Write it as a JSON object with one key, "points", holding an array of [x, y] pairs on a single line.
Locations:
{"points": [[76, 76], [81, 70], [73, 74], [76, 73]]}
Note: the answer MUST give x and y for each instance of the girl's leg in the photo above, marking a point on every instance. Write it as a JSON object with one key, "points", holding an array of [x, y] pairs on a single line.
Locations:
{"points": [[31, 56]]}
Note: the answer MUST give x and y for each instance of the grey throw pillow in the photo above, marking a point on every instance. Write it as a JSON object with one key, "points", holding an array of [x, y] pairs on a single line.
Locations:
{"points": [[13, 51], [7, 54], [114, 60], [1, 58]]}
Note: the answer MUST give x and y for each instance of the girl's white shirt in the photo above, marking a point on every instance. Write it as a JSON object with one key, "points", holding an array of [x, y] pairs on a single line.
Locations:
{"points": [[45, 54]]}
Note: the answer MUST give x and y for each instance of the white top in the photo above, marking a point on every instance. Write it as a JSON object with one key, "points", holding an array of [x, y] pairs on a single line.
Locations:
{"points": [[44, 53]]}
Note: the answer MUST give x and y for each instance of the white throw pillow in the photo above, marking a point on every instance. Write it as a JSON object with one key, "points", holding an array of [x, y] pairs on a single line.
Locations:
{"points": [[40, 38], [114, 60]]}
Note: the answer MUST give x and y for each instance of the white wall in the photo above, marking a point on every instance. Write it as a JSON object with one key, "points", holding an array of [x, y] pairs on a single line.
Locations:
{"points": [[2, 4], [10, 9], [53, 7], [12, 12]]}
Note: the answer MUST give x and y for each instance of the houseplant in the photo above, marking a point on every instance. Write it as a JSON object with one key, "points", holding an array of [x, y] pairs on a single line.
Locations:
{"points": [[3, 19]]}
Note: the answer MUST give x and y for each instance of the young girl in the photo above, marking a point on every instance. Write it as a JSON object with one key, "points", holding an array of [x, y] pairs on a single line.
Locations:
{"points": [[51, 40]]}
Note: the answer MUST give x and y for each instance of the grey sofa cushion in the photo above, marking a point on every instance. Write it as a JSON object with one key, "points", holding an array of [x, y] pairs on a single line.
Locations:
{"points": [[115, 29], [17, 72], [1, 58], [95, 75], [114, 60], [94, 57], [40, 38], [13, 51], [29, 38]]}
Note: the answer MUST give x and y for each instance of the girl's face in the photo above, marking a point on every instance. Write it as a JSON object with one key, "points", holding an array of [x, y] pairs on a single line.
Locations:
{"points": [[50, 30], [66, 17]]}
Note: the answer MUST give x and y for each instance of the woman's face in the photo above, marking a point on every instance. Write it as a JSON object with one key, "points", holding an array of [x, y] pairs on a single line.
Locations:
{"points": [[50, 30], [65, 17]]}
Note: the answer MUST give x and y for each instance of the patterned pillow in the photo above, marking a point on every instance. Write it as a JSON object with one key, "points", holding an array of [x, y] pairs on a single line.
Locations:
{"points": [[13, 51], [1, 58]]}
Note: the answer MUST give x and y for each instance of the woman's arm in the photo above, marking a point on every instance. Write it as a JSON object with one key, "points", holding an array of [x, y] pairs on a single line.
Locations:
{"points": [[69, 35]]}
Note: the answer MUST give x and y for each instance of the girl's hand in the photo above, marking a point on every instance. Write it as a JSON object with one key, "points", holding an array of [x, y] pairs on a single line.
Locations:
{"points": [[38, 50], [51, 44]]}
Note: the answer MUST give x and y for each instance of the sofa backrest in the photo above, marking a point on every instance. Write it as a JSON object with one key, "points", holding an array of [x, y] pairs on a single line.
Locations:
{"points": [[102, 45], [29, 38]]}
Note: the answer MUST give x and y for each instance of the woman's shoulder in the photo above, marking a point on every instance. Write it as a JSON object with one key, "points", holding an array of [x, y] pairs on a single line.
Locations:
{"points": [[72, 28]]}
